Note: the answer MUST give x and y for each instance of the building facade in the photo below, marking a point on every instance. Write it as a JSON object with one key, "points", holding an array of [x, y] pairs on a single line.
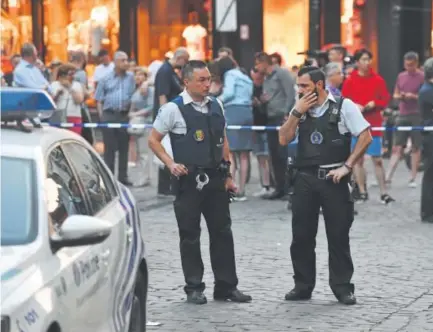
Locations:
{"points": [[389, 28], [145, 29]]}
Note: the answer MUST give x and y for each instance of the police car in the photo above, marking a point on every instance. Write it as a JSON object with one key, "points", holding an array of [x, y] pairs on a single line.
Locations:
{"points": [[72, 254]]}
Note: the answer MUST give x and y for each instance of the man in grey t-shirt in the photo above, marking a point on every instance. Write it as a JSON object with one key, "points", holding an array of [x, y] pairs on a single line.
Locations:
{"points": [[278, 97]]}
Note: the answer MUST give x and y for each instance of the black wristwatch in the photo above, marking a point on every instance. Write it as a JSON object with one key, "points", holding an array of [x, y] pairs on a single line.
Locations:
{"points": [[348, 167], [296, 114]]}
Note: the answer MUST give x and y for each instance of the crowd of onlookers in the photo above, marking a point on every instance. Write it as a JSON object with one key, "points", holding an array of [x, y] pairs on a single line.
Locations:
{"points": [[123, 92], [74, 93]]}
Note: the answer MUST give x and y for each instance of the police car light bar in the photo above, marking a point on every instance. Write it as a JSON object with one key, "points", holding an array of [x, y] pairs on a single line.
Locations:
{"points": [[19, 104]]}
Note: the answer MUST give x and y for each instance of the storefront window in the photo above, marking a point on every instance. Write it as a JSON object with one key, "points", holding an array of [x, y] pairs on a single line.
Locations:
{"points": [[351, 32], [286, 41], [15, 25], [80, 25]]}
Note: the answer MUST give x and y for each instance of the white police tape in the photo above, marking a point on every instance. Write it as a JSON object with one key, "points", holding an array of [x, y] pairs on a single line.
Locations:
{"points": [[229, 127]]}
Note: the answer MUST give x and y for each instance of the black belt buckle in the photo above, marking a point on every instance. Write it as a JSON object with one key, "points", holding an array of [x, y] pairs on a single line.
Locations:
{"points": [[321, 173]]}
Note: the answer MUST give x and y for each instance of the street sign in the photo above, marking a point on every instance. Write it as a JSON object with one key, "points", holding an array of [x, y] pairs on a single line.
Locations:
{"points": [[244, 32], [226, 15]]}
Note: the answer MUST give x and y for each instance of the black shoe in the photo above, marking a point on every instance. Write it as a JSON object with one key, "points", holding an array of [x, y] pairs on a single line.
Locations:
{"points": [[126, 183], [234, 296], [275, 195], [196, 297], [363, 197], [347, 298], [297, 295], [386, 199]]}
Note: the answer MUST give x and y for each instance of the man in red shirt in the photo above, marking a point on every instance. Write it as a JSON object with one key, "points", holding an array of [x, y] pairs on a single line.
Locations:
{"points": [[368, 89]]}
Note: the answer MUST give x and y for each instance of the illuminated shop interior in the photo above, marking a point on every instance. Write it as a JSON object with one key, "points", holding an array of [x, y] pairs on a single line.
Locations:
{"points": [[83, 25], [15, 25], [278, 14]]}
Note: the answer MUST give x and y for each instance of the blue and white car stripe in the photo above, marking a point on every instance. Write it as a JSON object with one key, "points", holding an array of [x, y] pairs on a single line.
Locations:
{"points": [[131, 273], [130, 262], [118, 291]]}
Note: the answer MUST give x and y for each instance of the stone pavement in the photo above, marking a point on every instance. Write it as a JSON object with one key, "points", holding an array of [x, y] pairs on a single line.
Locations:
{"points": [[392, 252]]}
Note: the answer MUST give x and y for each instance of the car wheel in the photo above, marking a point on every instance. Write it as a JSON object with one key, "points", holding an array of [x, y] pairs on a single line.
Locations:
{"points": [[138, 308]]}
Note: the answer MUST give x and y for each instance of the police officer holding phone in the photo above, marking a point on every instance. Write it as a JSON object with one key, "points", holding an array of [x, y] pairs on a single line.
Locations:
{"points": [[323, 164], [202, 182]]}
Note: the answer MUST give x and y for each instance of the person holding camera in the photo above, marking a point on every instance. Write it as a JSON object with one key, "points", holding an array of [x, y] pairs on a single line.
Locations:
{"points": [[324, 161]]}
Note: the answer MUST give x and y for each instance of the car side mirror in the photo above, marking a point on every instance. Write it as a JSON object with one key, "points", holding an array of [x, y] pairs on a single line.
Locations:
{"points": [[79, 230]]}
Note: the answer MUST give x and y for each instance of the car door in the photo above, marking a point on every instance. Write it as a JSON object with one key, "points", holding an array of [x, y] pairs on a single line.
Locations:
{"points": [[106, 203], [79, 269]]}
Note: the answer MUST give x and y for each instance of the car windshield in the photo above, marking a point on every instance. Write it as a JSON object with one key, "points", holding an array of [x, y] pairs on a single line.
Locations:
{"points": [[18, 201]]}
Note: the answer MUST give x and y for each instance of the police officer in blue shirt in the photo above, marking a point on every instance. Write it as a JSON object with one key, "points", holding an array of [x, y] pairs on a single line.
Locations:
{"points": [[323, 165], [200, 168]]}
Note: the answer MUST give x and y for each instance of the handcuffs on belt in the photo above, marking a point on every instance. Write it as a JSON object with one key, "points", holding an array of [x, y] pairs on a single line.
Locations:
{"points": [[202, 179]]}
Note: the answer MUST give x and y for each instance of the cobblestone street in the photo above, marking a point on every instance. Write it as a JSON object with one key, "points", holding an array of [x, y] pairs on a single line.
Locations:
{"points": [[392, 252]]}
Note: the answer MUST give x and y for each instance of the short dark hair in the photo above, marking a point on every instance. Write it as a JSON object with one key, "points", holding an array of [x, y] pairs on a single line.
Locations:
{"points": [[228, 50], [78, 56], [359, 53], [190, 66], [428, 69], [411, 56], [315, 73], [64, 69], [224, 65], [277, 56], [28, 49], [339, 48], [102, 53], [263, 57]]}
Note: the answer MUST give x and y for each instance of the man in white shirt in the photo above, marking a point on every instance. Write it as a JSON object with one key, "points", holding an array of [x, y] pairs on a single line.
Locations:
{"points": [[106, 66]]}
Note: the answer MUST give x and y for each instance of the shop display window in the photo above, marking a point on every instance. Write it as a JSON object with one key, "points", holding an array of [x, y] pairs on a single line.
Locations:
{"points": [[287, 42], [15, 25], [80, 25], [351, 25]]}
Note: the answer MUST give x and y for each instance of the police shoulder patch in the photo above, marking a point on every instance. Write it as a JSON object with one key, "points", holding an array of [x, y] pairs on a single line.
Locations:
{"points": [[199, 135]]}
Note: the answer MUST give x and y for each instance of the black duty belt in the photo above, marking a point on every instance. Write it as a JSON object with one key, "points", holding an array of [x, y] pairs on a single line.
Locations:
{"points": [[317, 171]]}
